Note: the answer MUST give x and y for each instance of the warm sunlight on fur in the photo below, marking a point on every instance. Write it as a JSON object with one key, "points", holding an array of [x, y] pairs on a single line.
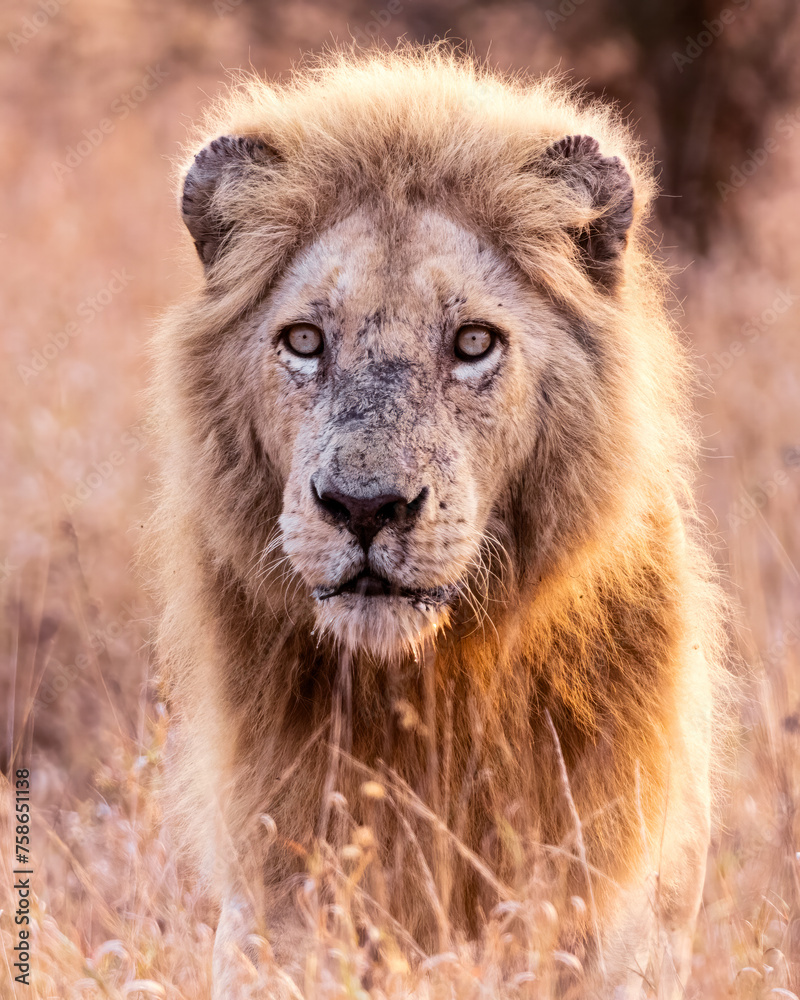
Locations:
{"points": [[341, 699], [473, 581]]}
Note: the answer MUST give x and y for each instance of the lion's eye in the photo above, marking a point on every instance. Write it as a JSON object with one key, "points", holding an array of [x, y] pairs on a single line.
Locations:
{"points": [[472, 342], [303, 339]]}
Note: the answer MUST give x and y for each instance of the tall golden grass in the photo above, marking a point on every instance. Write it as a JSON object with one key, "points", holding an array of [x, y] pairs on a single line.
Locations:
{"points": [[92, 251]]}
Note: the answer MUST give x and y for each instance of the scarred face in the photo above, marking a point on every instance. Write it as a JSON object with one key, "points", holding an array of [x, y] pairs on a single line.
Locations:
{"points": [[404, 380], [397, 369]]}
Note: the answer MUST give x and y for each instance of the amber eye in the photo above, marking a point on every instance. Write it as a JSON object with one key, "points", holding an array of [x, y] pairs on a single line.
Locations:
{"points": [[472, 342], [303, 339]]}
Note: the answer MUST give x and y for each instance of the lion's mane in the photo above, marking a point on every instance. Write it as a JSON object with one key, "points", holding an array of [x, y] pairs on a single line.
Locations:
{"points": [[603, 615]]}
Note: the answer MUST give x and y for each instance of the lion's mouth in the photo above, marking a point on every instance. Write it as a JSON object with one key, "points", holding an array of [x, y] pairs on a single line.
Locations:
{"points": [[368, 584]]}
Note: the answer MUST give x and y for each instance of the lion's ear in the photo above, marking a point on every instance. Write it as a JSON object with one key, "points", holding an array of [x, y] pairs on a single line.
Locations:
{"points": [[221, 163], [606, 184]]}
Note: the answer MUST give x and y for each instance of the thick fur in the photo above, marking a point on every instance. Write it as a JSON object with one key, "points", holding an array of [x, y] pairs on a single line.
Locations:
{"points": [[554, 580]]}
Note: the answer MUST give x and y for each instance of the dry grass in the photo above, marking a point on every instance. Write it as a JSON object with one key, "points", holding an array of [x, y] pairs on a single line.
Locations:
{"points": [[113, 914]]}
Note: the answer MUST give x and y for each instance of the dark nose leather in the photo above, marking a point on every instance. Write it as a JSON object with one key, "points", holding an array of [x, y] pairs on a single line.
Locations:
{"points": [[365, 516]]}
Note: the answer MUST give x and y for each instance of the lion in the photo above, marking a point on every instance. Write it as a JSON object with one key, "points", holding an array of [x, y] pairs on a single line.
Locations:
{"points": [[430, 566]]}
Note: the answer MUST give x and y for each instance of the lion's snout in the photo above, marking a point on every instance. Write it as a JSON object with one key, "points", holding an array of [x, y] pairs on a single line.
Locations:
{"points": [[365, 515]]}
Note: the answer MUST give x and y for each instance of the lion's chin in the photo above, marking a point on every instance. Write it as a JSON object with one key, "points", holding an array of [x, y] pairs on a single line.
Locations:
{"points": [[388, 628]]}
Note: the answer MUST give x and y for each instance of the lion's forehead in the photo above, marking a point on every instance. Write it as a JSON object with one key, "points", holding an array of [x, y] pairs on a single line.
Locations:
{"points": [[389, 283]]}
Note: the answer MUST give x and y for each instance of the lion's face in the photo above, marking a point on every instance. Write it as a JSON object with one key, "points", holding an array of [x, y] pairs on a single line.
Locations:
{"points": [[406, 383], [400, 373]]}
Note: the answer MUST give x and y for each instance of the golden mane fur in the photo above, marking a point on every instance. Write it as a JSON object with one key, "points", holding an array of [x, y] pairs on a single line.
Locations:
{"points": [[597, 610]]}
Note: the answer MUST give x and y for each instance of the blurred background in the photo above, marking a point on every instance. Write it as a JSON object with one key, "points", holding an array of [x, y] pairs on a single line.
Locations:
{"points": [[96, 96]]}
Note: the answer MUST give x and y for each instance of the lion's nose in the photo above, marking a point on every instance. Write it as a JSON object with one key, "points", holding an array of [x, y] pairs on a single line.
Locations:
{"points": [[365, 516]]}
